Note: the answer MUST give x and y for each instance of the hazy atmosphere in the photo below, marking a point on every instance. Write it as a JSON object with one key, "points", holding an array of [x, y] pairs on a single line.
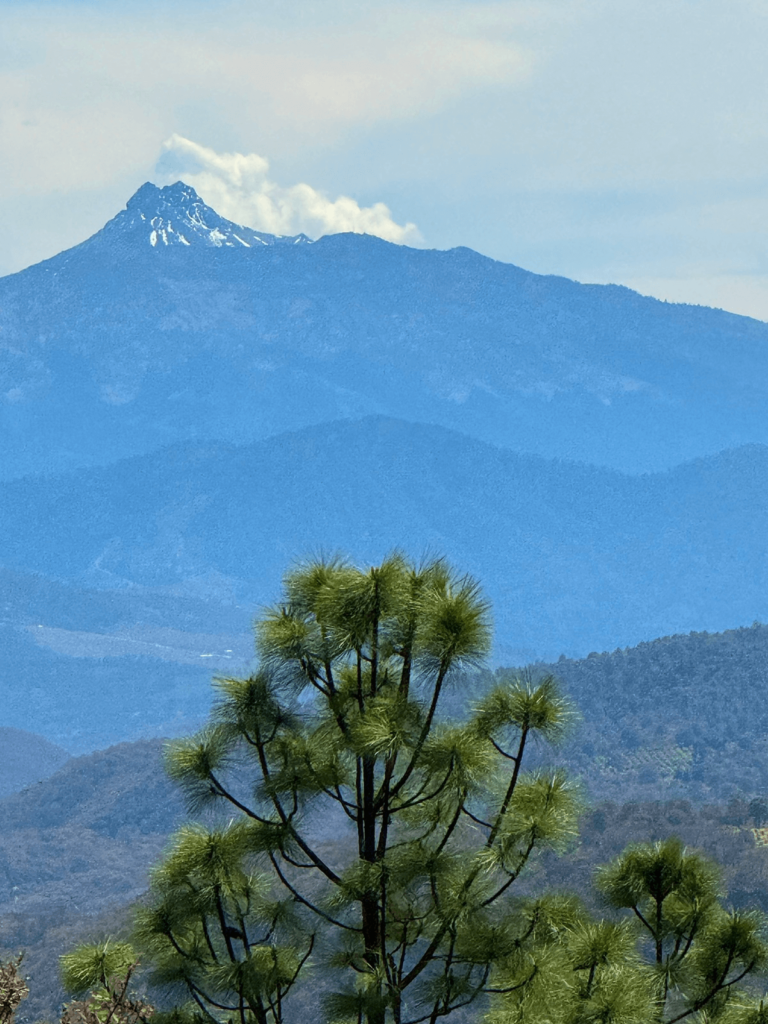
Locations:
{"points": [[614, 141], [383, 512]]}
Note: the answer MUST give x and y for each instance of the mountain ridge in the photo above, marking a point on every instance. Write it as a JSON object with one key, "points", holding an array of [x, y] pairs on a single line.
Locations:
{"points": [[574, 558], [154, 344], [26, 758]]}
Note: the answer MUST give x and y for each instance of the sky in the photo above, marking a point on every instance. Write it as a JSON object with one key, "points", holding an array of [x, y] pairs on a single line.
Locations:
{"points": [[619, 141]]}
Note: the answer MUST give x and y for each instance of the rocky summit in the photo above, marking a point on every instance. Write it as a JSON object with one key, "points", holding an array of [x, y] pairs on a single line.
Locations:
{"points": [[176, 215]]}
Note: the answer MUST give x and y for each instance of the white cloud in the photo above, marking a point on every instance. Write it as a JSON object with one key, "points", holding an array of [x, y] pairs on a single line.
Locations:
{"points": [[237, 186]]}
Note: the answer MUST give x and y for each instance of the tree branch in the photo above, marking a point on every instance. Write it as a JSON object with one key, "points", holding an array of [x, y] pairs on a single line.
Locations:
{"points": [[701, 1003], [510, 788], [510, 757], [425, 729], [430, 796], [478, 821], [303, 900], [514, 875]]}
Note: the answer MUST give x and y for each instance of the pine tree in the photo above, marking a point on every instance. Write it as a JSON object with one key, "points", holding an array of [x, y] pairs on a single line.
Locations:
{"points": [[679, 955], [700, 952], [364, 826], [213, 929], [101, 973]]}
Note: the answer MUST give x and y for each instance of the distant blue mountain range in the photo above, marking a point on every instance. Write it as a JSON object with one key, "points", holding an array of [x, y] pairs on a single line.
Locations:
{"points": [[574, 558], [189, 405], [173, 324]]}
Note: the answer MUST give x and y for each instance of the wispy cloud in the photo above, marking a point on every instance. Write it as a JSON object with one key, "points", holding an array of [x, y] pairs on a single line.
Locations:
{"points": [[85, 92], [238, 186]]}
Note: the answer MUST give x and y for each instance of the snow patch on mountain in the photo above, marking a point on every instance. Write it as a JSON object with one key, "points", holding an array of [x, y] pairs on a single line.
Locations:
{"points": [[176, 215]]}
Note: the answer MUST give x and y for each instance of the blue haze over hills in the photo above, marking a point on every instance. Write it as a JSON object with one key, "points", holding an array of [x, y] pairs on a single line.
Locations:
{"points": [[188, 404]]}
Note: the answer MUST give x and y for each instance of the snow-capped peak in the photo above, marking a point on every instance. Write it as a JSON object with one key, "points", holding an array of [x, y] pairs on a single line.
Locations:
{"points": [[175, 215]]}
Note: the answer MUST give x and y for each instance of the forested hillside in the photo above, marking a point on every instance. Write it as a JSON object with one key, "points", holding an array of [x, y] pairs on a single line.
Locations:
{"points": [[75, 850], [682, 716]]}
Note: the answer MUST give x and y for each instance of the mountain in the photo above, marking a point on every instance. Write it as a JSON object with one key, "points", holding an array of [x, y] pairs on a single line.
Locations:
{"points": [[152, 212], [87, 835], [75, 851], [574, 558], [173, 324], [26, 758], [680, 716]]}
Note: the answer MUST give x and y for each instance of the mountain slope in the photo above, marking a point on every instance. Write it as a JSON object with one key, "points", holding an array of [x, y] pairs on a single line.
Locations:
{"points": [[573, 558], [75, 846], [80, 844], [124, 344], [26, 758], [89, 667], [177, 216], [681, 716]]}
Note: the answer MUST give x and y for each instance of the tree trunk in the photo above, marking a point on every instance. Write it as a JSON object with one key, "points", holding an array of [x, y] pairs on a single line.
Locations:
{"points": [[371, 936]]}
